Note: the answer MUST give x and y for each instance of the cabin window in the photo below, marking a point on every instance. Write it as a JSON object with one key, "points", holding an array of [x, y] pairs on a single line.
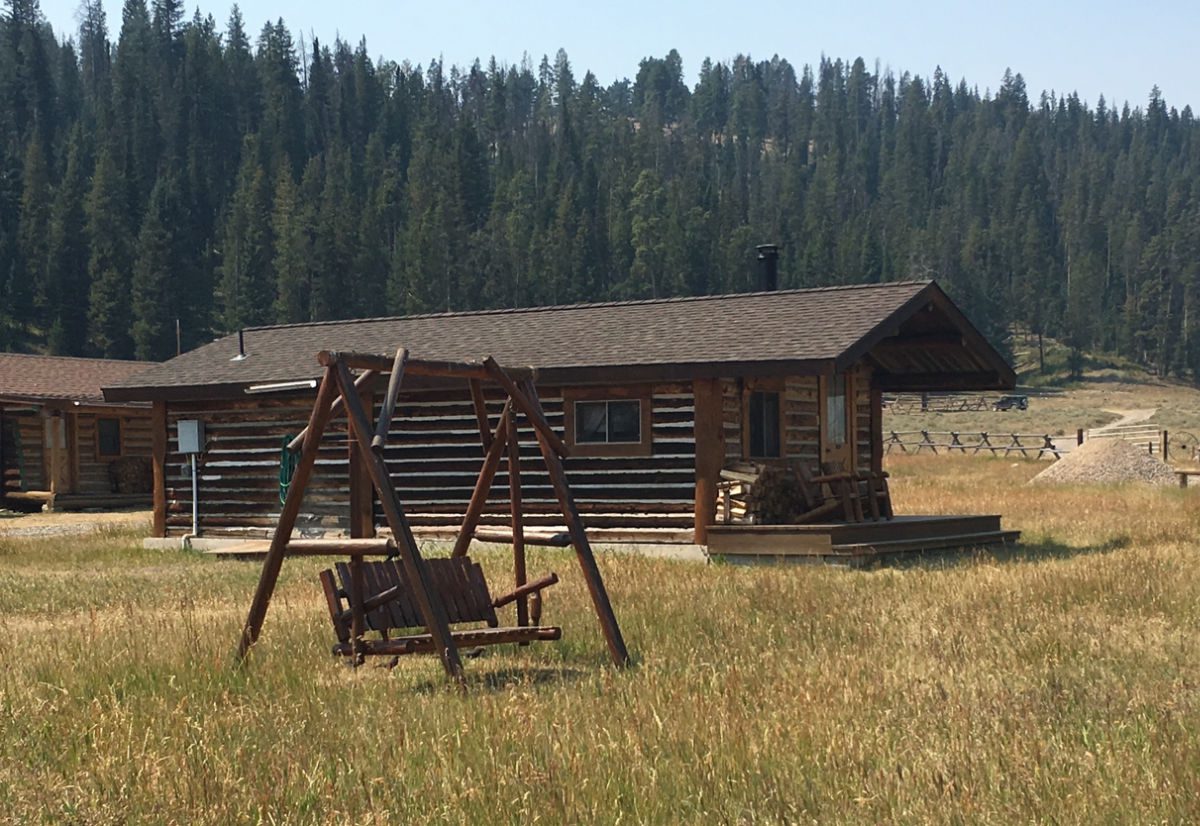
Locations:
{"points": [[835, 411], [763, 416], [608, 422], [605, 423], [108, 438]]}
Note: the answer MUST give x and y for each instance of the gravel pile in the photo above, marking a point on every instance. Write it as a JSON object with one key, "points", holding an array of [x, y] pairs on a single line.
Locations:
{"points": [[1107, 462]]}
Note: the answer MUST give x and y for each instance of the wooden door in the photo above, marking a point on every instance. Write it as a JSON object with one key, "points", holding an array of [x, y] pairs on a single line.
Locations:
{"points": [[837, 421]]}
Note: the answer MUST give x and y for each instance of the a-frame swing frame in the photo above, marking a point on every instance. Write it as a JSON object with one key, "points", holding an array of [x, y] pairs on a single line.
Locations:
{"points": [[340, 390]]}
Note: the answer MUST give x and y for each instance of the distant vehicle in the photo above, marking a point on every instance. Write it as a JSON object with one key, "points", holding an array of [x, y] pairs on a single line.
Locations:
{"points": [[1010, 402]]}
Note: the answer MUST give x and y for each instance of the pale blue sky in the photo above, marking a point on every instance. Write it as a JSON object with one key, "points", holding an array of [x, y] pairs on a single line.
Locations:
{"points": [[1113, 47]]}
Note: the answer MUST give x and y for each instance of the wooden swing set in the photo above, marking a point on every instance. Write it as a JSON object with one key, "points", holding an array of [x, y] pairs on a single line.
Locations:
{"points": [[413, 591]]}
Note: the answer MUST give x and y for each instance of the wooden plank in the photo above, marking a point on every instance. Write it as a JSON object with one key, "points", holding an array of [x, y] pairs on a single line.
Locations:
{"points": [[287, 518], [710, 453], [158, 460], [432, 610], [583, 549]]}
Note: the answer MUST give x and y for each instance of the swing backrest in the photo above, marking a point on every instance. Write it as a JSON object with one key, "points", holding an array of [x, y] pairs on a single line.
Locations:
{"points": [[457, 581]]}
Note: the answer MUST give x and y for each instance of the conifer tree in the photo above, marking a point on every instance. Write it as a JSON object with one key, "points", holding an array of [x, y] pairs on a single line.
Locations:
{"points": [[109, 264]]}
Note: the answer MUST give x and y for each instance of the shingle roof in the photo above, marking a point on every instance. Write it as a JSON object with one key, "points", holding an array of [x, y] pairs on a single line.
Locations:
{"points": [[59, 378], [785, 326]]}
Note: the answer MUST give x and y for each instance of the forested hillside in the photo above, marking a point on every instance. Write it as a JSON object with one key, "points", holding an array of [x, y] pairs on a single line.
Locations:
{"points": [[167, 169]]}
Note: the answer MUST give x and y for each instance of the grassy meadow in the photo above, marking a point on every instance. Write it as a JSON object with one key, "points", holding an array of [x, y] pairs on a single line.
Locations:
{"points": [[1055, 684]]}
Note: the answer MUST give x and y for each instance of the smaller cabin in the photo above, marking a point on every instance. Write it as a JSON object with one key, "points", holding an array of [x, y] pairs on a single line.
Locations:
{"points": [[62, 445]]}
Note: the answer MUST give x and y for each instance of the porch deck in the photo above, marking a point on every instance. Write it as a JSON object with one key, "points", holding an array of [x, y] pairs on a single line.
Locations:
{"points": [[856, 544]]}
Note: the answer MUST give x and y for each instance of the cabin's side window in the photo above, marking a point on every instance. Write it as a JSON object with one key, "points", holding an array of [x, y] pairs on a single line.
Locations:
{"points": [[762, 413], [597, 425], [108, 438], [608, 422]]}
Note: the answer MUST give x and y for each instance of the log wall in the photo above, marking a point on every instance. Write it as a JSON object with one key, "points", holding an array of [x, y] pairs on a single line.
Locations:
{"points": [[92, 472], [27, 426], [434, 456], [802, 421]]}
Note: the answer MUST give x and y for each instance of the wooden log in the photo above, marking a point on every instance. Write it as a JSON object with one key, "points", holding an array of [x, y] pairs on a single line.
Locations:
{"points": [[520, 575], [547, 540], [530, 407], [525, 589], [481, 414], [362, 381], [158, 461], [381, 546], [583, 549], [483, 483], [415, 367], [710, 453], [416, 572], [362, 504], [287, 517], [424, 644], [389, 401]]}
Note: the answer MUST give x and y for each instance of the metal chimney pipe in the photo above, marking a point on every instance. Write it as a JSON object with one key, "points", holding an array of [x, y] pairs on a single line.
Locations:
{"points": [[768, 254]]}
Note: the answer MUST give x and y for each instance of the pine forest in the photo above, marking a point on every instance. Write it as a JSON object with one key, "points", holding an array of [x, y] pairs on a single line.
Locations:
{"points": [[161, 170]]}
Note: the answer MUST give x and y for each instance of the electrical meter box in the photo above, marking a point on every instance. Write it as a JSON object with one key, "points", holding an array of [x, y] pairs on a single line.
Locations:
{"points": [[191, 436]]}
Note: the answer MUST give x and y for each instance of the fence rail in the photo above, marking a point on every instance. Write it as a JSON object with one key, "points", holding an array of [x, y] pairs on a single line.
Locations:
{"points": [[917, 441], [931, 403], [1152, 436]]}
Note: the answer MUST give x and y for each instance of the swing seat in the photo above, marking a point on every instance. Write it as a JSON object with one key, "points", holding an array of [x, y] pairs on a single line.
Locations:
{"points": [[389, 606]]}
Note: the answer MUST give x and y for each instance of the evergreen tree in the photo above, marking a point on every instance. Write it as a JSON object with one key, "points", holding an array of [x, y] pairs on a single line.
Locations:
{"points": [[109, 265], [67, 257]]}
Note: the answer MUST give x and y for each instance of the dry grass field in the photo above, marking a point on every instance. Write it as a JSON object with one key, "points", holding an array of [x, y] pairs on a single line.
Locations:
{"points": [[1055, 684]]}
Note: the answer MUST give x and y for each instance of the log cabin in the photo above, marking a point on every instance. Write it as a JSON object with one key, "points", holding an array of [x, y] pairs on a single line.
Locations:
{"points": [[62, 445], [654, 398]]}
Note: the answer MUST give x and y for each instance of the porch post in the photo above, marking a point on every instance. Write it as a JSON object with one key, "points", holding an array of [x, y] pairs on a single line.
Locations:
{"points": [[710, 453], [158, 460], [876, 428]]}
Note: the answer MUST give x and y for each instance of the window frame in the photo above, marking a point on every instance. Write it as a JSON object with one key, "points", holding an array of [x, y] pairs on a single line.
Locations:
{"points": [[100, 454], [751, 387], [643, 396]]}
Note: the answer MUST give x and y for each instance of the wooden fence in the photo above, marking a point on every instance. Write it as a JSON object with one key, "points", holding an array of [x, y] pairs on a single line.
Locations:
{"points": [[1006, 444], [938, 403], [1151, 436]]}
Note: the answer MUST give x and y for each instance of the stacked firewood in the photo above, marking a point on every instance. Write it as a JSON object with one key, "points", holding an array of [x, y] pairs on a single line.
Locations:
{"points": [[131, 474], [785, 495], [762, 494]]}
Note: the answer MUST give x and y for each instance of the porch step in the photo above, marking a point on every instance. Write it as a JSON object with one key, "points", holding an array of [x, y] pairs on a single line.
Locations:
{"points": [[981, 539]]}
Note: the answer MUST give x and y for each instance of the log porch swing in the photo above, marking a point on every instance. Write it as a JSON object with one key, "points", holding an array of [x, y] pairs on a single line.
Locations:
{"points": [[416, 592]]}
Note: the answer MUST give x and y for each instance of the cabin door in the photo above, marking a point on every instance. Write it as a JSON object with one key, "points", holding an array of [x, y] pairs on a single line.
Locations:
{"points": [[837, 444], [57, 453]]}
